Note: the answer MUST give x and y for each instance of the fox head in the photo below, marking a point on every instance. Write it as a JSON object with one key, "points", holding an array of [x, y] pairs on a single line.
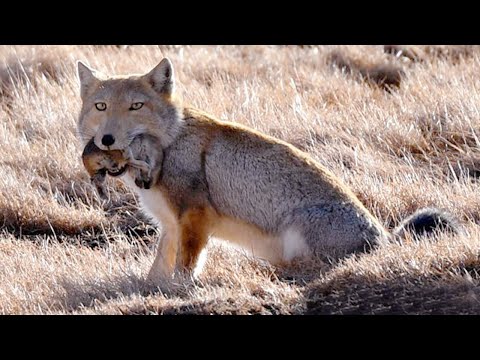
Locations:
{"points": [[117, 109]]}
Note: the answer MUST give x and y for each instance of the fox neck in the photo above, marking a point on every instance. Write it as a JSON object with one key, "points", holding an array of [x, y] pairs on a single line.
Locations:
{"points": [[168, 134]]}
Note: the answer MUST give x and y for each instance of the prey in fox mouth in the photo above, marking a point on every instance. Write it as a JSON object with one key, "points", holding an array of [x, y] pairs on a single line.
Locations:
{"points": [[144, 166]]}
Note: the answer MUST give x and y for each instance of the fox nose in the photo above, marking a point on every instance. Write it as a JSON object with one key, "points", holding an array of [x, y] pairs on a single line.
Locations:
{"points": [[108, 140]]}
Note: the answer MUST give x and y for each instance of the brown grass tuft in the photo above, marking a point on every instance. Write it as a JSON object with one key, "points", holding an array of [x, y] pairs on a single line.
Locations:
{"points": [[385, 76], [429, 53], [402, 51]]}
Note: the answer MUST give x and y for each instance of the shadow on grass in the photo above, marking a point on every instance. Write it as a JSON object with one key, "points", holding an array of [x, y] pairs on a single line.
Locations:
{"points": [[175, 297], [401, 296], [91, 293]]}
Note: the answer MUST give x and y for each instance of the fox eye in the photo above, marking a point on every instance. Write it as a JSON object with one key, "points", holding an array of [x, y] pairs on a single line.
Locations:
{"points": [[101, 106], [136, 106]]}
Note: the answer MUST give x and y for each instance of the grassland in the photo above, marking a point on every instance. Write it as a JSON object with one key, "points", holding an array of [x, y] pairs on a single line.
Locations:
{"points": [[399, 125]]}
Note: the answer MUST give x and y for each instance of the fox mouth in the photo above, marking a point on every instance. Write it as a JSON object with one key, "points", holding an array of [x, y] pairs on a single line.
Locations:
{"points": [[118, 172]]}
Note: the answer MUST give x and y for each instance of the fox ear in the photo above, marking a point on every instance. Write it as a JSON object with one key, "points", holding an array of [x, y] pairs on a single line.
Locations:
{"points": [[86, 76], [162, 77]]}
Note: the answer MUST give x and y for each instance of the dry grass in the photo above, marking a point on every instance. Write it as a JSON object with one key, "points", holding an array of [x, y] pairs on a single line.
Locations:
{"points": [[414, 145]]}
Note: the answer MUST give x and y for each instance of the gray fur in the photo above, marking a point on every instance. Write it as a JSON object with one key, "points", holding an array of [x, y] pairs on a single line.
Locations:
{"points": [[266, 184]]}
